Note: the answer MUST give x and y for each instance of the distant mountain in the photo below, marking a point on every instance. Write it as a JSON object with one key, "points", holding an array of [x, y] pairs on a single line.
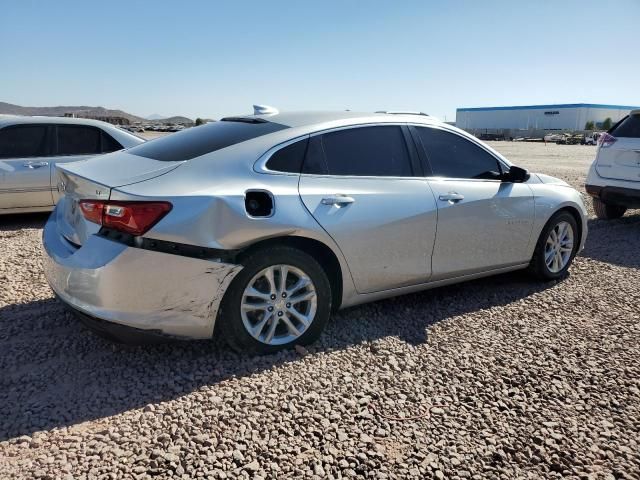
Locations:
{"points": [[177, 119], [155, 116], [84, 111]]}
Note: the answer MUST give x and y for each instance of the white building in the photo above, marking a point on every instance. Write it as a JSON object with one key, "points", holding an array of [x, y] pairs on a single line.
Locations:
{"points": [[572, 116]]}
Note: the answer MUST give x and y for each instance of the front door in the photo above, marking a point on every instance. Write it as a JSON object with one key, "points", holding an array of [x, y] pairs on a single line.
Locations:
{"points": [[481, 225], [358, 184], [483, 222]]}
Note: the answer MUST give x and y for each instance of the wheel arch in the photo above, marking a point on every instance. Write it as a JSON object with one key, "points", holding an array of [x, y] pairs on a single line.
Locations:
{"points": [[325, 256], [575, 213]]}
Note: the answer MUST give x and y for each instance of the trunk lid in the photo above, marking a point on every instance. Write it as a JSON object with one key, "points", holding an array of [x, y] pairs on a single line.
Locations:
{"points": [[94, 179]]}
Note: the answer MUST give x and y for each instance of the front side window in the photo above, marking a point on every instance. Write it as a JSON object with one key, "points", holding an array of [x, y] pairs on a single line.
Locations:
{"points": [[78, 140], [23, 141], [453, 156], [379, 151]]}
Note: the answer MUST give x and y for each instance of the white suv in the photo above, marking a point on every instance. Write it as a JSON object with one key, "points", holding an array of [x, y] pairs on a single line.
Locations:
{"points": [[614, 176]]}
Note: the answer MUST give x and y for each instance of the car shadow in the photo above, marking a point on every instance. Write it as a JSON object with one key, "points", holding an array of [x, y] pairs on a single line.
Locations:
{"points": [[19, 221], [615, 241], [57, 373]]}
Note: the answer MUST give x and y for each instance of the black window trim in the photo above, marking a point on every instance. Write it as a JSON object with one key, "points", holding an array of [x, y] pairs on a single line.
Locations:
{"points": [[49, 136], [425, 157], [260, 165], [56, 146]]}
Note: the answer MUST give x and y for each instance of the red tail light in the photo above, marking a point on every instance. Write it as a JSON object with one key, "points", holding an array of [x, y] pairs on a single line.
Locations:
{"points": [[606, 140], [134, 218]]}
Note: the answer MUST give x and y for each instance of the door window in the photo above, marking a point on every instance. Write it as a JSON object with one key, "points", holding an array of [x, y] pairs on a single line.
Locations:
{"points": [[379, 151], [289, 158], [109, 144], [78, 140], [453, 156], [23, 141]]}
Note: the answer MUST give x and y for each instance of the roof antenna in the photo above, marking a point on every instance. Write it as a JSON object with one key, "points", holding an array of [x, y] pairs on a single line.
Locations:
{"points": [[264, 110]]}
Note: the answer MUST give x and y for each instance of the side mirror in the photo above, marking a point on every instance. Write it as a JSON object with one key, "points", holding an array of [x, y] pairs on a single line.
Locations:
{"points": [[516, 175]]}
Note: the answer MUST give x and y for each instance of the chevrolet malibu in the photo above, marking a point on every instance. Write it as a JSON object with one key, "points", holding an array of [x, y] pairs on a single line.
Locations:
{"points": [[260, 226]]}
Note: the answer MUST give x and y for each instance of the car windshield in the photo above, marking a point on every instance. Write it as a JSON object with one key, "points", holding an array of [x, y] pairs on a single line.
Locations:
{"points": [[204, 139]]}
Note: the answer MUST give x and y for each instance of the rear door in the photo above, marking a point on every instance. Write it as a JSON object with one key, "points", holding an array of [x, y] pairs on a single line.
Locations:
{"points": [[483, 222], [621, 160], [359, 184], [25, 166]]}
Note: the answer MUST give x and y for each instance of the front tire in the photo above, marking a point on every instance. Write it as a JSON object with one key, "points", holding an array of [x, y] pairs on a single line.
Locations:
{"points": [[607, 212], [556, 247], [281, 298]]}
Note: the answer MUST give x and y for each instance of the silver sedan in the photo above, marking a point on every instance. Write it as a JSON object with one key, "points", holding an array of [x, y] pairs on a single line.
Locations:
{"points": [[30, 147], [262, 225]]}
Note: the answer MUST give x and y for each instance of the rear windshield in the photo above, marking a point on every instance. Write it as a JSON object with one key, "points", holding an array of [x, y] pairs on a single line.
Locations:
{"points": [[628, 128], [208, 138]]}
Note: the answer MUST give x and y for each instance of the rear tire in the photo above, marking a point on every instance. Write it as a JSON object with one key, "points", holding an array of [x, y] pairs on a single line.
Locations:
{"points": [[247, 329], [551, 258], [607, 212]]}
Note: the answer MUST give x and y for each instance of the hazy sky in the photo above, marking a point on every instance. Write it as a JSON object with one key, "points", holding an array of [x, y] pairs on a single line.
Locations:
{"points": [[214, 58]]}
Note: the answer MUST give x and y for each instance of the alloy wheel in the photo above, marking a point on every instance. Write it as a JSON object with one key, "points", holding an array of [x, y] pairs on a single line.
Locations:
{"points": [[559, 247], [278, 304]]}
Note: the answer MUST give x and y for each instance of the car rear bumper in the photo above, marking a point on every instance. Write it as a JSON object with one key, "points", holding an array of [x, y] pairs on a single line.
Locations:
{"points": [[628, 197], [147, 290]]}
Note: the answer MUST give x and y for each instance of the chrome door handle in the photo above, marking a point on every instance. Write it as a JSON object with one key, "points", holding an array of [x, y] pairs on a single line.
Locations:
{"points": [[338, 200], [33, 165], [453, 197]]}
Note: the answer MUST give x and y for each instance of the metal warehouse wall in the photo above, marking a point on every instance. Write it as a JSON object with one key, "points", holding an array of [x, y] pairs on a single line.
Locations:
{"points": [[542, 117]]}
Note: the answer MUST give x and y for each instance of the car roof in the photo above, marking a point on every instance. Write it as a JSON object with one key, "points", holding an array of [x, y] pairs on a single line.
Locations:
{"points": [[318, 118], [23, 120]]}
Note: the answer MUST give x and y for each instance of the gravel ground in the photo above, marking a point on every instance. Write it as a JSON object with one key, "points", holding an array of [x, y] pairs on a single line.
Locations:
{"points": [[499, 378]]}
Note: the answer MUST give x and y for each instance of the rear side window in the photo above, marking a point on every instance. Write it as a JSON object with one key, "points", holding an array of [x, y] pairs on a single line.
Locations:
{"points": [[23, 141], [379, 151], [78, 140], [109, 144], [208, 138], [289, 159], [628, 128], [453, 156]]}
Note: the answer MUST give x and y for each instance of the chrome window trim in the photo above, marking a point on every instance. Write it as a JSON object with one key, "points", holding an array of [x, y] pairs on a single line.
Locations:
{"points": [[260, 166]]}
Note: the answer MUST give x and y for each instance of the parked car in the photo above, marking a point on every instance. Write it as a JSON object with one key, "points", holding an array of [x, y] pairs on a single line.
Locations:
{"points": [[262, 225], [591, 139], [30, 147], [553, 137], [614, 177]]}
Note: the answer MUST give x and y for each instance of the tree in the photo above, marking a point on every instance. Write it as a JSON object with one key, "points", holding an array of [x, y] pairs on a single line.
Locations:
{"points": [[589, 125], [199, 121], [607, 124]]}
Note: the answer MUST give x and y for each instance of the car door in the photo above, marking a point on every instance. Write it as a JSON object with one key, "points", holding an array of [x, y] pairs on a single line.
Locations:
{"points": [[483, 222], [25, 166], [77, 142], [359, 184]]}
